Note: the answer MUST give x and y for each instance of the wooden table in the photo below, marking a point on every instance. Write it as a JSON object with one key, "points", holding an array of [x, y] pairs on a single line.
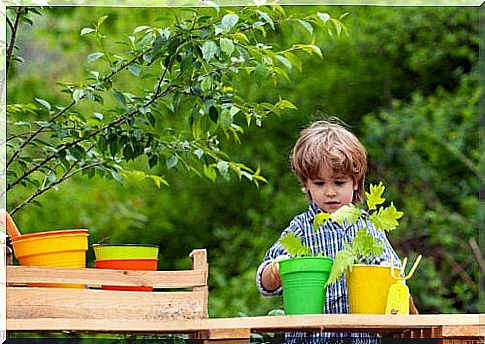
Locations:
{"points": [[463, 328]]}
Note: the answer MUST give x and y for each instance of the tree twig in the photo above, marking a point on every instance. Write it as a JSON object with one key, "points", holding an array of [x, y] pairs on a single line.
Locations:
{"points": [[115, 123], [64, 177], [13, 37]]}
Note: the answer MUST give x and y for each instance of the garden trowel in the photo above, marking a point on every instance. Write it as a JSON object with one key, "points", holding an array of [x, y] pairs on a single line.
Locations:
{"points": [[398, 296]]}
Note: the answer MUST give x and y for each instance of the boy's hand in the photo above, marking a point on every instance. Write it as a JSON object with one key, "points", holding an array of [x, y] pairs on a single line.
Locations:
{"points": [[271, 278]]}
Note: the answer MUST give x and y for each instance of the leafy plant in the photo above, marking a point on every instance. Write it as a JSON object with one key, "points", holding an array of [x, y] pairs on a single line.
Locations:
{"points": [[189, 106], [365, 246]]}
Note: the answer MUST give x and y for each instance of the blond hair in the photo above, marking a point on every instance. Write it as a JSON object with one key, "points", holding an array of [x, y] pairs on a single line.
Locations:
{"points": [[328, 146]]}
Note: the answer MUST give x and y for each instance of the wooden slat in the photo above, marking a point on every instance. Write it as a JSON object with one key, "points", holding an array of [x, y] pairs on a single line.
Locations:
{"points": [[460, 331], [467, 323], [157, 279], [199, 263], [63, 303]]}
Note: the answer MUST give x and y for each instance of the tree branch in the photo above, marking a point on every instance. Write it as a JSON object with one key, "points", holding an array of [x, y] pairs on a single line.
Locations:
{"points": [[115, 123], [64, 177], [64, 110], [20, 12]]}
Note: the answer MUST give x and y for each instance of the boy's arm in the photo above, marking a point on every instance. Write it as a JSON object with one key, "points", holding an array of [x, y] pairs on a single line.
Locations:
{"points": [[268, 278]]}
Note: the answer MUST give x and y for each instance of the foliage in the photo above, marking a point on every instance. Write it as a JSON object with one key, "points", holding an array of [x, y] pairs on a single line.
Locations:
{"points": [[402, 71], [432, 154], [189, 70], [364, 247]]}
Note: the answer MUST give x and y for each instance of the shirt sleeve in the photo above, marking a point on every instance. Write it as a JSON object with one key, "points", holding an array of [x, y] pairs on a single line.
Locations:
{"points": [[275, 251]]}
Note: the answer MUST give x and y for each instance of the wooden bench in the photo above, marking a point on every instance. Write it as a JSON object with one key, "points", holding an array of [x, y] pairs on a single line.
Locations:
{"points": [[182, 309]]}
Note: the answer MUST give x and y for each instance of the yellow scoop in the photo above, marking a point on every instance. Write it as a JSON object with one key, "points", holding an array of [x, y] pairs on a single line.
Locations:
{"points": [[398, 296]]}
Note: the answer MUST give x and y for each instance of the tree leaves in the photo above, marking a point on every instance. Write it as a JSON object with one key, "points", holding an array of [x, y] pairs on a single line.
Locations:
{"points": [[187, 68], [209, 49]]}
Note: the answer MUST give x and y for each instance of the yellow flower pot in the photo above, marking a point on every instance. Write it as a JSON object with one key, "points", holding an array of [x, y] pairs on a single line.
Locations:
{"points": [[368, 286]]}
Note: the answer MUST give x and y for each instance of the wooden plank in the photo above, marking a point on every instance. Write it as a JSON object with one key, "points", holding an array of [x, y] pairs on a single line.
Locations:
{"points": [[323, 322], [239, 333], [199, 263], [111, 306], [460, 331], [157, 279]]}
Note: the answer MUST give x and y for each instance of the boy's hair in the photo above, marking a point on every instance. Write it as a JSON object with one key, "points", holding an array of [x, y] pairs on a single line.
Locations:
{"points": [[328, 146]]}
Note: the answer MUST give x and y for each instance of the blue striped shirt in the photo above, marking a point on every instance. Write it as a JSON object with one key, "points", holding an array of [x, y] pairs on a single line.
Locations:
{"points": [[329, 239]]}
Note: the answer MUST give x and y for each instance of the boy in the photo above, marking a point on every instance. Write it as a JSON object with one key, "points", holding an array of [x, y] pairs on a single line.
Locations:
{"points": [[330, 163]]}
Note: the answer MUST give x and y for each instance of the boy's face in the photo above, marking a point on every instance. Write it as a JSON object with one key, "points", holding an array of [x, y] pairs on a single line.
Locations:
{"points": [[331, 192]]}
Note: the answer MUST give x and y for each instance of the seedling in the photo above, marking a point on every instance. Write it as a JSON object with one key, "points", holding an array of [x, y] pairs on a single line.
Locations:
{"points": [[364, 247]]}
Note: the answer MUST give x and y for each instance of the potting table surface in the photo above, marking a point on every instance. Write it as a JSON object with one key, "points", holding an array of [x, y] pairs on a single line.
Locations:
{"points": [[414, 326]]}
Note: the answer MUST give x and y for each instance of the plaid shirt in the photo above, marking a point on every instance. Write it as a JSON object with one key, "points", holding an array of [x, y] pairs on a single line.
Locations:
{"points": [[329, 239]]}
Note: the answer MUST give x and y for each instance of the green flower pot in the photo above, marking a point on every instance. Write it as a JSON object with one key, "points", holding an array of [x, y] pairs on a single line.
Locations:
{"points": [[303, 280]]}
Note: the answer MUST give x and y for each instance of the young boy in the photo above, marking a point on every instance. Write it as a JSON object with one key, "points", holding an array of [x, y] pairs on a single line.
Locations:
{"points": [[330, 163]]}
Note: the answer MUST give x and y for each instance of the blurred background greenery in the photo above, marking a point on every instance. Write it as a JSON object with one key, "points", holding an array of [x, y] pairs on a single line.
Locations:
{"points": [[406, 82]]}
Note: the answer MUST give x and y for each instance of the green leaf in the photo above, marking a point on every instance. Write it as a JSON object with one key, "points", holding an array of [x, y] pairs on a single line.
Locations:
{"points": [[44, 103], [87, 30], [158, 180], [153, 160], [116, 176], [338, 26], [206, 84], [134, 69], [226, 119], [365, 245], [213, 114], [223, 167], [98, 116], [386, 218], [210, 172], [101, 20], [227, 46], [295, 60], [119, 97], [229, 21], [374, 197], [324, 17], [306, 25], [128, 152], [320, 220], [285, 104], [265, 16], [348, 213], [199, 153], [209, 49], [77, 94], [344, 260], [140, 28], [260, 73], [292, 243], [310, 48], [94, 56], [172, 161], [284, 61]]}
